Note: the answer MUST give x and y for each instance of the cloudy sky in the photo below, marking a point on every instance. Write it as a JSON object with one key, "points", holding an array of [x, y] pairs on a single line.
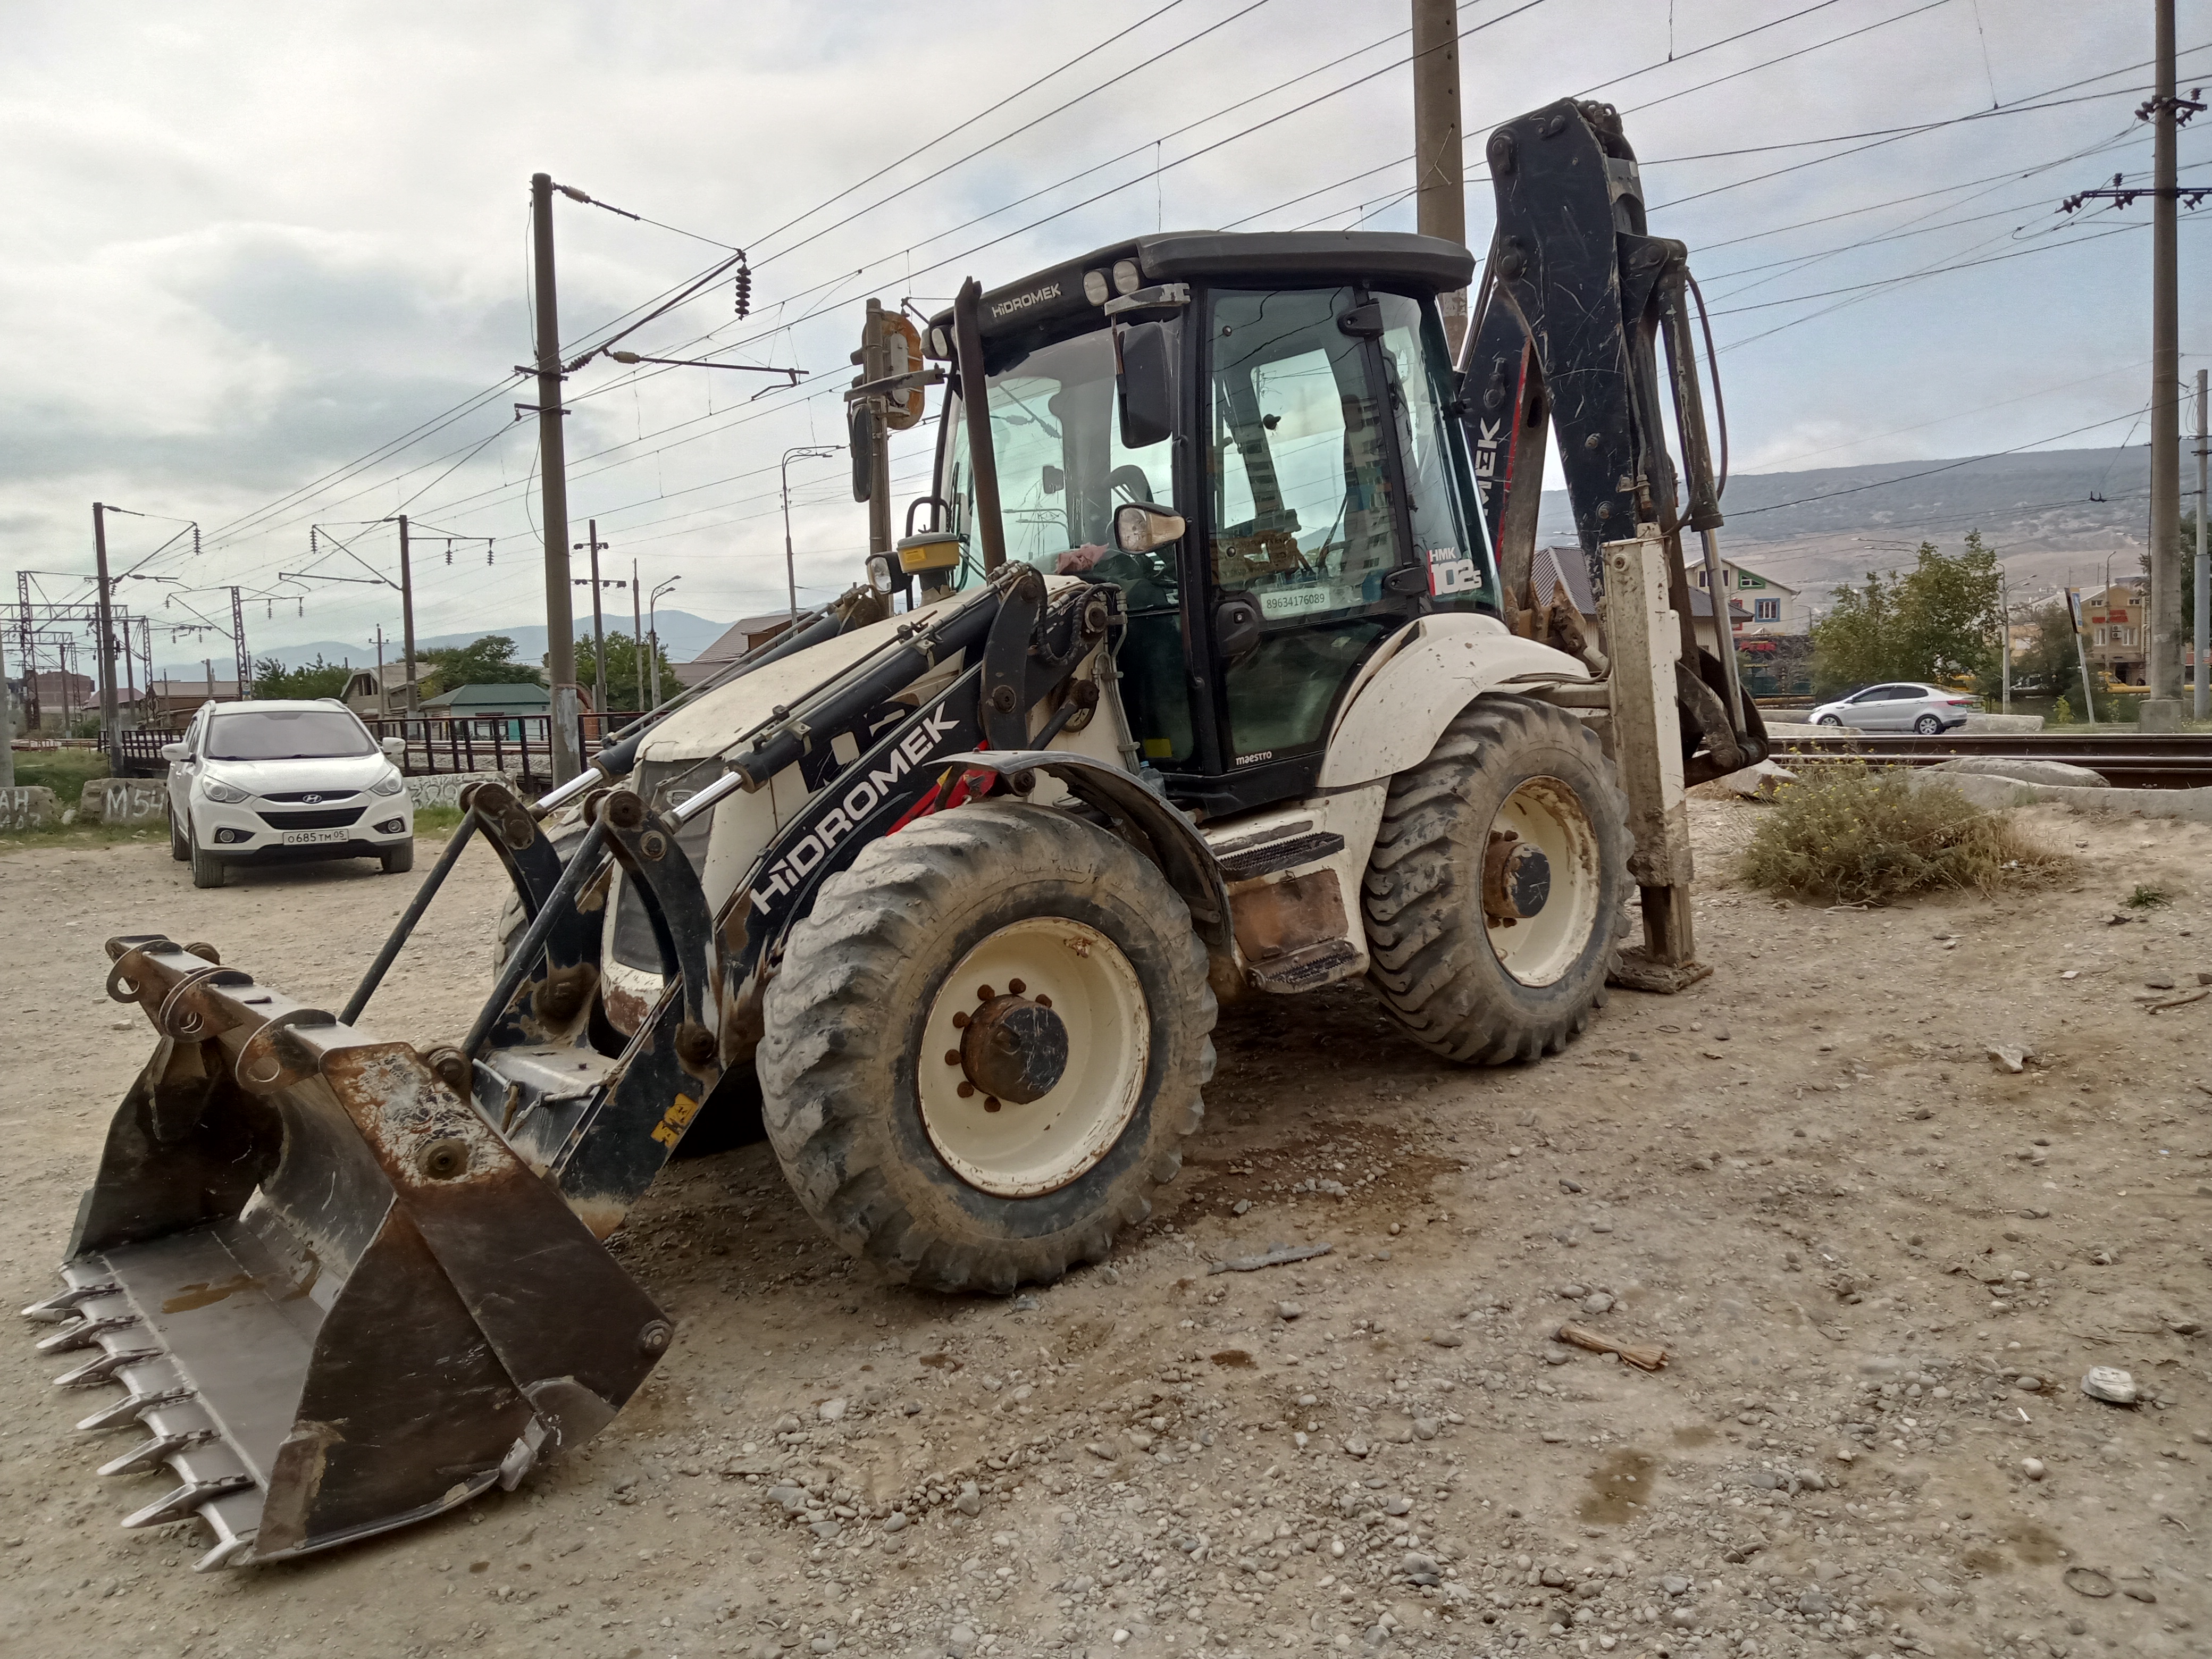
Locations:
{"points": [[266, 265]]}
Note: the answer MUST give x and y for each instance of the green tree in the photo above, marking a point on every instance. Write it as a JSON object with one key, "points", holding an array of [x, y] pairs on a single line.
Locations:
{"points": [[488, 661], [2188, 564], [1937, 621], [626, 690], [2049, 661], [314, 679]]}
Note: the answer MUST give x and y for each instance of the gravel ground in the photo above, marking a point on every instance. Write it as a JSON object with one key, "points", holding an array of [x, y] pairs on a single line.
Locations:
{"points": [[1879, 1262]]}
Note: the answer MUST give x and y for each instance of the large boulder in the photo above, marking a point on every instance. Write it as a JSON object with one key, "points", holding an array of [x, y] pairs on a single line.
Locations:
{"points": [[124, 801], [2056, 775], [26, 806]]}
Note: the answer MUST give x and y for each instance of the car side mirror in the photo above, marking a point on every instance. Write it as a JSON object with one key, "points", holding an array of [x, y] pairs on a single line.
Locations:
{"points": [[1236, 627], [176, 751], [394, 747], [1140, 526], [1144, 380]]}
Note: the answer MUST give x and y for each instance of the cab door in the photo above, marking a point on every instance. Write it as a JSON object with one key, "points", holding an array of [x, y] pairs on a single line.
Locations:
{"points": [[1333, 519]]}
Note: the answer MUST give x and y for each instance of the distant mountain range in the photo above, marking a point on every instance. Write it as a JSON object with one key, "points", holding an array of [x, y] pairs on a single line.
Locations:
{"points": [[2053, 515], [683, 636]]}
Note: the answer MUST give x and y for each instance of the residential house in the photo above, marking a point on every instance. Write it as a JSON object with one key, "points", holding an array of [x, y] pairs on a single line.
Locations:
{"points": [[2117, 618], [381, 693], [1554, 568], [740, 637], [1774, 607]]}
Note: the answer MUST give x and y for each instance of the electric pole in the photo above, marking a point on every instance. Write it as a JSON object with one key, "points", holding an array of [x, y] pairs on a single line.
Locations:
{"points": [[598, 631], [7, 719], [406, 618], [2161, 710], [2203, 606], [637, 627], [110, 721], [1439, 171], [552, 465], [875, 365]]}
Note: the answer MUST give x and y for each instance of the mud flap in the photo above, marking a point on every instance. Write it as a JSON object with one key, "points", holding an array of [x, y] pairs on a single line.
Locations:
{"points": [[336, 1300]]}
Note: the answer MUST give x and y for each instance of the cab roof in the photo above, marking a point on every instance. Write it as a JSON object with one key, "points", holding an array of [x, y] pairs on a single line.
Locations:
{"points": [[1046, 300]]}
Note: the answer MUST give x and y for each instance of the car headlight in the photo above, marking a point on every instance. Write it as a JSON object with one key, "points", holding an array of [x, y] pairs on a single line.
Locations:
{"points": [[390, 784], [216, 790]]}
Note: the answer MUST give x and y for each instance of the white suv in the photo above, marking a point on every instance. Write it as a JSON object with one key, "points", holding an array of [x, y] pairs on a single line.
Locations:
{"points": [[279, 780]]}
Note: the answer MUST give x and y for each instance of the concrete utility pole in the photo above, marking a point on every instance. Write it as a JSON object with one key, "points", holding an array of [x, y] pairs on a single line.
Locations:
{"points": [[598, 633], [552, 465], [790, 568], [407, 619], [111, 719], [2004, 643], [7, 719], [2161, 710], [2203, 606], [1439, 172], [637, 627]]}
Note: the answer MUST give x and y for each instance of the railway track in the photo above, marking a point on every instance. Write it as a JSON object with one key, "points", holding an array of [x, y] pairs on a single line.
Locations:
{"points": [[2128, 761]]}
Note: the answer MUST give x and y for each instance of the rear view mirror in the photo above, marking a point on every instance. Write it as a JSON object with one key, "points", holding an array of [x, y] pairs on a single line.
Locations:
{"points": [[176, 751], [1140, 526], [1144, 380], [394, 747]]}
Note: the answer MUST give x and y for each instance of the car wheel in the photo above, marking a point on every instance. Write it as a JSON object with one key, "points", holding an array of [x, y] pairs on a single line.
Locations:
{"points": [[208, 870], [1928, 726], [1829, 720], [180, 848], [397, 861]]}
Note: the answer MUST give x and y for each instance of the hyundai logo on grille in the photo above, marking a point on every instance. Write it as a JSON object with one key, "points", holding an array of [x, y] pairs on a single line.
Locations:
{"points": [[311, 799]]}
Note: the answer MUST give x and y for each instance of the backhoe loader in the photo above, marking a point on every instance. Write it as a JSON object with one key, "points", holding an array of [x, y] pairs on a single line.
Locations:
{"points": [[1209, 668]]}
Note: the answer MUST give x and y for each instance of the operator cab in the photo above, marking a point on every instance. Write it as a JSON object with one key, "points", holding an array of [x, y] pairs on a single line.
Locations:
{"points": [[1288, 396]]}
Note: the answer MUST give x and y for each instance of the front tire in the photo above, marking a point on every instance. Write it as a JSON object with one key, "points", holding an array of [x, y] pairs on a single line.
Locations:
{"points": [[208, 870], [1497, 883], [180, 848], [397, 861], [993, 915]]}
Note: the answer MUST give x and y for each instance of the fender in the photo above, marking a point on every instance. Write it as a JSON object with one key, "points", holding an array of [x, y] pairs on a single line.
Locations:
{"points": [[1165, 834], [1394, 719]]}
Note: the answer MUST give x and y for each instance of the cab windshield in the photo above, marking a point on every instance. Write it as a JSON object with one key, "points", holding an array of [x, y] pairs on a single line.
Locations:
{"points": [[1062, 471]]}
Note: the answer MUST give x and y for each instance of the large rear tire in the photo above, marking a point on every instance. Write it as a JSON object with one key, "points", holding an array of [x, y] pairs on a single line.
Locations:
{"points": [[1509, 969], [882, 1096]]}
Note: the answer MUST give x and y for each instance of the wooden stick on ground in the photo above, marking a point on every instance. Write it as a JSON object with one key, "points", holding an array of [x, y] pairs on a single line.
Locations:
{"points": [[1648, 1355]]}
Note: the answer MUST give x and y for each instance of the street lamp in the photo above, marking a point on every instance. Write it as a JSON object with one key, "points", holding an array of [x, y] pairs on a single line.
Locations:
{"points": [[790, 569], [653, 633]]}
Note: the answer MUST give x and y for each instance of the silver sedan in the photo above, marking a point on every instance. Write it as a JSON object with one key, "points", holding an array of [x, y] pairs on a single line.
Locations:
{"points": [[1901, 706]]}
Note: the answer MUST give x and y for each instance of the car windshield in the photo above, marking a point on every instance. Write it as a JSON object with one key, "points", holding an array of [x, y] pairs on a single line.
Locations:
{"points": [[286, 734]]}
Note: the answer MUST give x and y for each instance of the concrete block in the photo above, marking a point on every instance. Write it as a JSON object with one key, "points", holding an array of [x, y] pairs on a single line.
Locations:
{"points": [[2057, 774], [26, 806], [2003, 723], [1758, 782], [2190, 805], [125, 801], [444, 788], [1800, 729]]}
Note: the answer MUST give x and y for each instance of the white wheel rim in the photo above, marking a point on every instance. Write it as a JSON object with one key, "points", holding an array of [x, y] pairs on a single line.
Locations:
{"points": [[1547, 815], [1025, 1151]]}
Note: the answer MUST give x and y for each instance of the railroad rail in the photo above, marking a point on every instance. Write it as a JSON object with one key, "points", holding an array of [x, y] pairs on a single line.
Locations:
{"points": [[2127, 760]]}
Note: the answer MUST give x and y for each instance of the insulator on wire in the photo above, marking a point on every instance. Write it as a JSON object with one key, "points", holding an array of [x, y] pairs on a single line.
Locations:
{"points": [[744, 291]]}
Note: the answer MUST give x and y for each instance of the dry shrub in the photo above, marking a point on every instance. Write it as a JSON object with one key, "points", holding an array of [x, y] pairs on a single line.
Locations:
{"points": [[1852, 833]]}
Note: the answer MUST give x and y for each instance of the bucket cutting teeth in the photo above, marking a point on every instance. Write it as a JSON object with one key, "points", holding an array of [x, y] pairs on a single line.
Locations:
{"points": [[103, 1369], [132, 1407], [63, 1304], [185, 1499], [85, 1333], [156, 1451]]}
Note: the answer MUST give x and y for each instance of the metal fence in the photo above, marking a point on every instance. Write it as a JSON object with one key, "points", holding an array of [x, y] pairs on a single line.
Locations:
{"points": [[519, 745]]}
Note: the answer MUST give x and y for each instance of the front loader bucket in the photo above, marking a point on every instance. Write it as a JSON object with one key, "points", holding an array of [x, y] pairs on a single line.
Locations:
{"points": [[334, 1298]]}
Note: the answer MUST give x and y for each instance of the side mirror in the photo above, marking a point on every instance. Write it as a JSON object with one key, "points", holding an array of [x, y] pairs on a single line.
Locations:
{"points": [[176, 751], [1144, 381], [394, 747], [1140, 526]]}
